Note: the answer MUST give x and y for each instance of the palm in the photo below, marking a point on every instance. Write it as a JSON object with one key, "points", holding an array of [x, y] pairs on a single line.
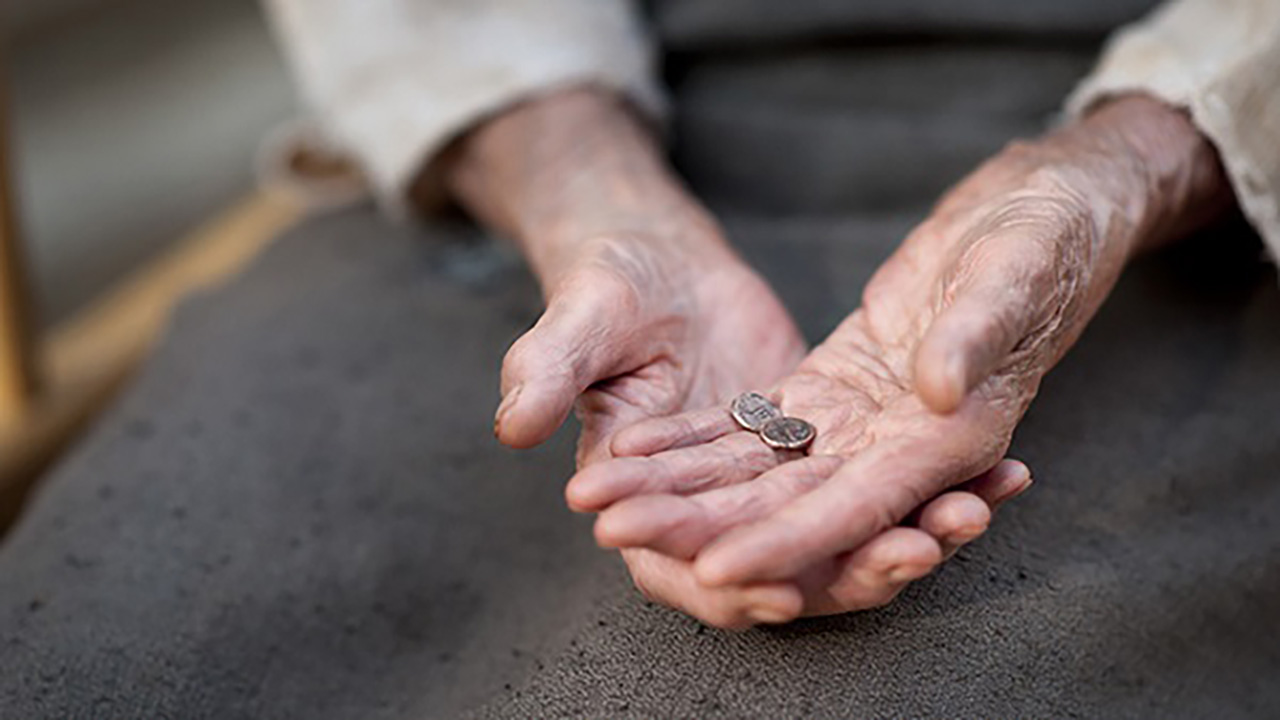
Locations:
{"points": [[636, 331], [691, 477], [661, 535], [735, 336], [992, 274], [859, 393]]}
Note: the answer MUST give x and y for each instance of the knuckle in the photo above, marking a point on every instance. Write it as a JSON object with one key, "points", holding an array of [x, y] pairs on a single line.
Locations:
{"points": [[737, 462], [606, 287]]}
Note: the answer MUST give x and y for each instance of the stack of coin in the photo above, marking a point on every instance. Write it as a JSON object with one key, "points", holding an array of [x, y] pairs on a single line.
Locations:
{"points": [[756, 413]]}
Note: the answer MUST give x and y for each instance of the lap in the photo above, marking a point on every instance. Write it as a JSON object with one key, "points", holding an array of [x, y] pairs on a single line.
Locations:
{"points": [[298, 510]]}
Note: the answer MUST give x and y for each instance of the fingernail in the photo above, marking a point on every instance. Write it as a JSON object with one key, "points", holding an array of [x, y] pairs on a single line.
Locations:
{"points": [[1015, 483], [1025, 486], [505, 406], [908, 572]]}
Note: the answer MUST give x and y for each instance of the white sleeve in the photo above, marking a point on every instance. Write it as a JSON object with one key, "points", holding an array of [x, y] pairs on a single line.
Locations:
{"points": [[1219, 59], [392, 81]]}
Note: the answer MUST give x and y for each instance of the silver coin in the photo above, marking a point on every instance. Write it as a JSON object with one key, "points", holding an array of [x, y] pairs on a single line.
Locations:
{"points": [[787, 433], [752, 410]]}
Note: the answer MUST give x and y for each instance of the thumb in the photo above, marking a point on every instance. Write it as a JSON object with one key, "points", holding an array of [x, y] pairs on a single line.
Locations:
{"points": [[586, 335], [1015, 283]]}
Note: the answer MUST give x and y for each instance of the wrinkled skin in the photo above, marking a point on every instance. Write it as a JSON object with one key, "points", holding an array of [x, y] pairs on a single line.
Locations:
{"points": [[649, 315], [919, 389], [638, 327], [661, 353]]}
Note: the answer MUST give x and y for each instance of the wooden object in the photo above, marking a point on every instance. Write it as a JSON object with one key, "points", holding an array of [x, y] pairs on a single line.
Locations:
{"points": [[89, 357], [17, 345]]}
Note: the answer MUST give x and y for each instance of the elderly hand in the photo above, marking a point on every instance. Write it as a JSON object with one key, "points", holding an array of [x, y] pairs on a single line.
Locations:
{"points": [[922, 387], [649, 312]]}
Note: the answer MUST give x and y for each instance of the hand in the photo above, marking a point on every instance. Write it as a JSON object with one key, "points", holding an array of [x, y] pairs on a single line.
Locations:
{"points": [[649, 312], [643, 324], [922, 387], [871, 576]]}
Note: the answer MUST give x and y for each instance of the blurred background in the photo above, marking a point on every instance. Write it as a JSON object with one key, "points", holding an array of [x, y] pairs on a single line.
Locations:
{"points": [[131, 129], [132, 122]]}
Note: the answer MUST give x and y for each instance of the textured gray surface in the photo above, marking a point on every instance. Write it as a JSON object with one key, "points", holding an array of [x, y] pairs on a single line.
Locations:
{"points": [[298, 511], [1137, 579]]}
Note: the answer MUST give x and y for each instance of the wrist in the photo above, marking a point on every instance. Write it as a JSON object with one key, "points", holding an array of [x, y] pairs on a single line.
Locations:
{"points": [[570, 167], [1164, 170]]}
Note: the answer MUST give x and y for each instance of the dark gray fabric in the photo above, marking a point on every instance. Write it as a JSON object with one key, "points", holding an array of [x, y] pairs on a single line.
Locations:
{"points": [[832, 107], [298, 511], [859, 130], [696, 25], [1138, 578]]}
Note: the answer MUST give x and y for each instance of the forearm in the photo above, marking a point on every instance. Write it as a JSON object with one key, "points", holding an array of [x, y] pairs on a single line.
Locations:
{"points": [[1133, 174], [570, 167], [1153, 164]]}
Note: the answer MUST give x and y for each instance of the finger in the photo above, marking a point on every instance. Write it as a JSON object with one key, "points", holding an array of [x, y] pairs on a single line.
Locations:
{"points": [[986, 486], [671, 582], [1007, 480], [1004, 293], [677, 431], [869, 494], [963, 513], [954, 519], [603, 414], [587, 334], [731, 459], [875, 573], [680, 526]]}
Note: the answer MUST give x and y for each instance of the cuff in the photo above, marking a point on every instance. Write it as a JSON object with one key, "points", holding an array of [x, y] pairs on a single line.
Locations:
{"points": [[1220, 60], [393, 82]]}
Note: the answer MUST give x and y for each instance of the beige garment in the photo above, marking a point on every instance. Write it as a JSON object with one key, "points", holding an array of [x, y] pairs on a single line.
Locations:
{"points": [[1219, 59], [392, 81]]}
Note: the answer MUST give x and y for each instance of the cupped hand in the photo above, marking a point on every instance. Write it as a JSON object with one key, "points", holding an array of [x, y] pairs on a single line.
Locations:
{"points": [[649, 311], [643, 324], [922, 387], [638, 331], [870, 576]]}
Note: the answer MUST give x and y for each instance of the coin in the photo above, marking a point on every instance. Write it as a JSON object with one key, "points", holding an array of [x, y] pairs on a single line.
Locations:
{"points": [[751, 410], [787, 433]]}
